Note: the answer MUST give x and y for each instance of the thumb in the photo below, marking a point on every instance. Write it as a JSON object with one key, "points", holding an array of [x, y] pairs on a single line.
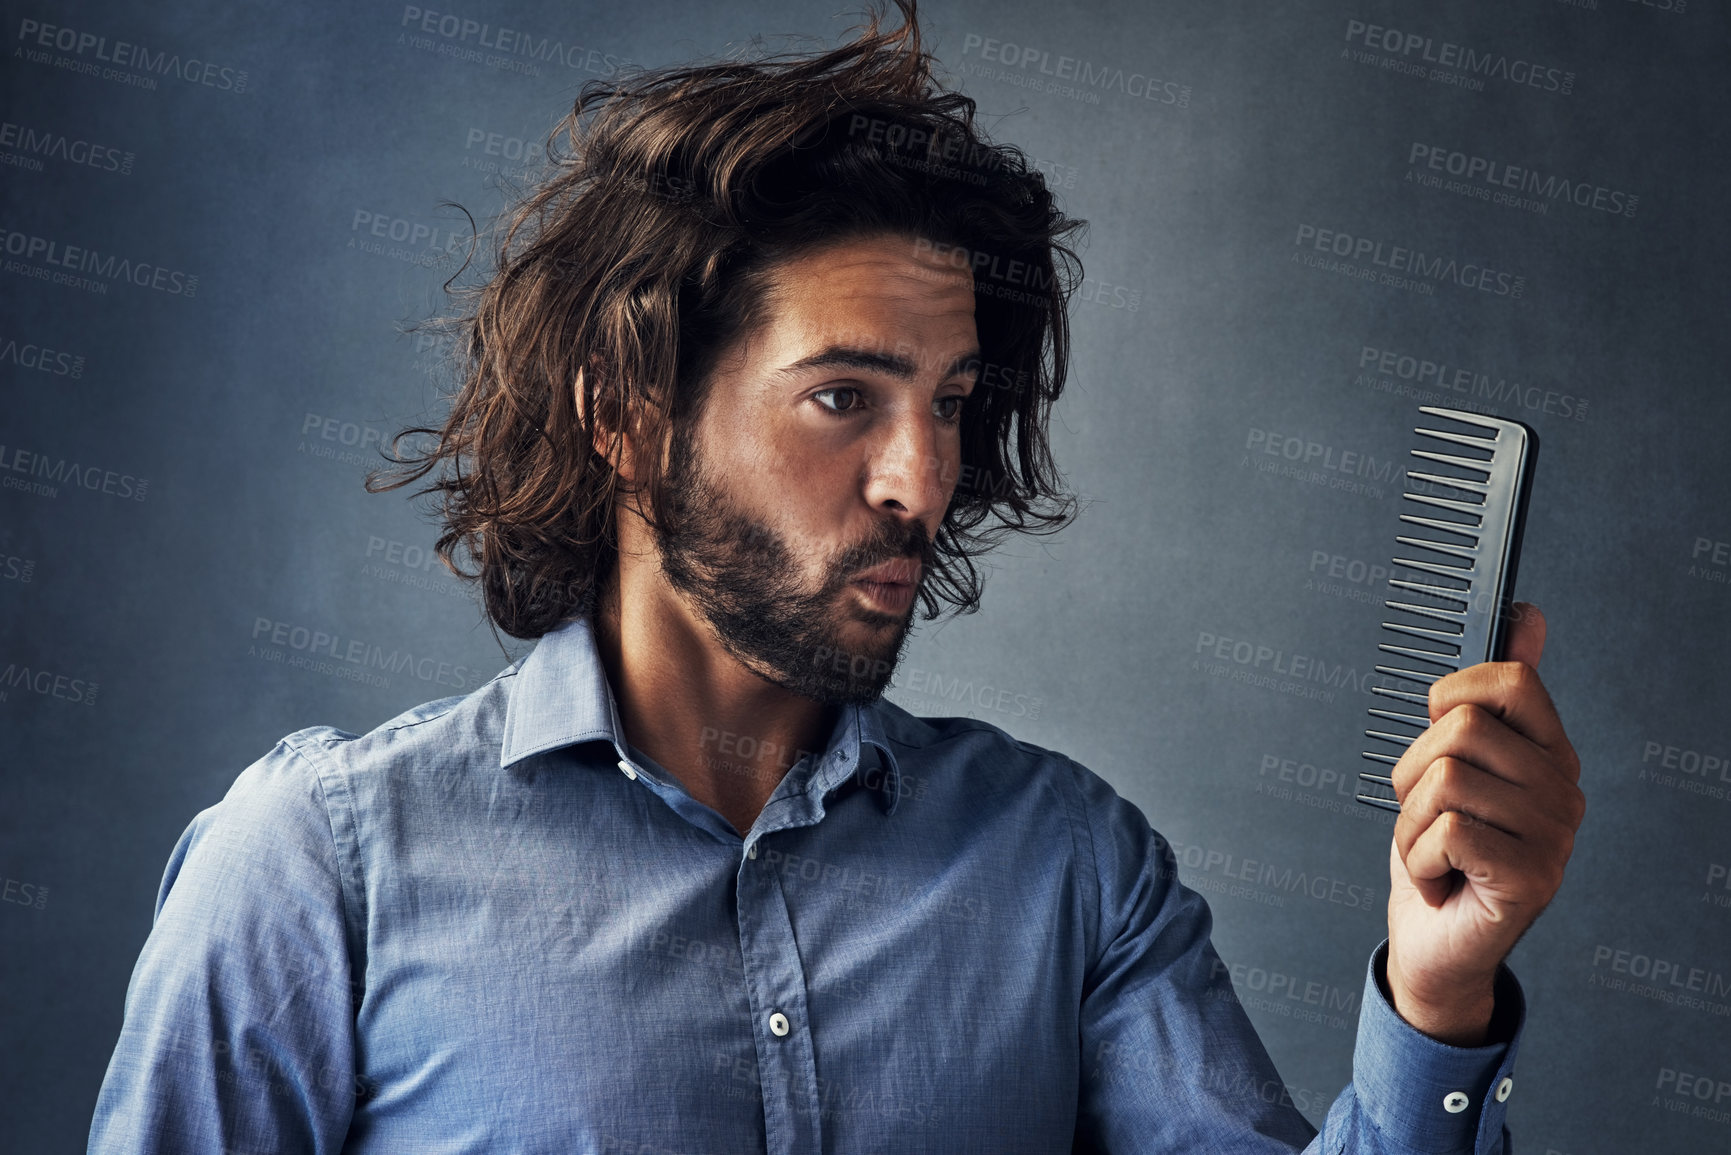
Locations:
{"points": [[1526, 634]]}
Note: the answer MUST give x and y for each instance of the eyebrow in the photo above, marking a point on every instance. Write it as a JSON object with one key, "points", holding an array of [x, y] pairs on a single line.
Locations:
{"points": [[892, 364]]}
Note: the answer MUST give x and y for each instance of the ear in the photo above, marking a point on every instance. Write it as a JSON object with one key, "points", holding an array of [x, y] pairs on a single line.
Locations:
{"points": [[608, 436]]}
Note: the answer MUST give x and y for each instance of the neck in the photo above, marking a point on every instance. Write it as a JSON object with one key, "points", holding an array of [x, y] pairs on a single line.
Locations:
{"points": [[728, 735]]}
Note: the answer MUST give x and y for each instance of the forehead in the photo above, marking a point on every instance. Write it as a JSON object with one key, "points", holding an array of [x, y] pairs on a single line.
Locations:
{"points": [[883, 291]]}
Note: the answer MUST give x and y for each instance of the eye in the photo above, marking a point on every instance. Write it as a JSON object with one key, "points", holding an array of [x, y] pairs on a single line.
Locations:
{"points": [[955, 401], [854, 398]]}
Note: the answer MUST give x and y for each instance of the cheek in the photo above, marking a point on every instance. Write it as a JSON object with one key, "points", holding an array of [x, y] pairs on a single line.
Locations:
{"points": [[812, 500]]}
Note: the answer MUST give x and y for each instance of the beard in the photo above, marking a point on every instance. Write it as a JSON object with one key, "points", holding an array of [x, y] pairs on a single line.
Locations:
{"points": [[745, 580]]}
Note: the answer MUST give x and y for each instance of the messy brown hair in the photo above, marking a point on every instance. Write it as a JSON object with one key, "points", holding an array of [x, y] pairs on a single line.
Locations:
{"points": [[646, 251]]}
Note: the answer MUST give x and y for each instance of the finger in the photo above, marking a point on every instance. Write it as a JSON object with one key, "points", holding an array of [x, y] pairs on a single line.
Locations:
{"points": [[1512, 692], [1525, 641], [1475, 736], [1487, 858], [1451, 785]]}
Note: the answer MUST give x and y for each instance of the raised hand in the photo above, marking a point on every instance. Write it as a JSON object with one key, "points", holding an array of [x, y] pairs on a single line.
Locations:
{"points": [[1490, 803]]}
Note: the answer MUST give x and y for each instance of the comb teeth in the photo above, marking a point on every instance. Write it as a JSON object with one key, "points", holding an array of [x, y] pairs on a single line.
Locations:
{"points": [[1468, 522]]}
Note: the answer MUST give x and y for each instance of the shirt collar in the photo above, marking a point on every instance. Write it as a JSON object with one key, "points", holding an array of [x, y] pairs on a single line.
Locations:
{"points": [[560, 697]]}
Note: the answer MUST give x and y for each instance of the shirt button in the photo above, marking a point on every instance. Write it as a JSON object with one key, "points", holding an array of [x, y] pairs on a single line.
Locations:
{"points": [[751, 851], [778, 1024], [1455, 1102], [1503, 1089], [630, 770]]}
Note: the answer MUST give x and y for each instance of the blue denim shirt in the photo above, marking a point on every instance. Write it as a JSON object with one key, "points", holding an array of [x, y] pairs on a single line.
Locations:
{"points": [[487, 926]]}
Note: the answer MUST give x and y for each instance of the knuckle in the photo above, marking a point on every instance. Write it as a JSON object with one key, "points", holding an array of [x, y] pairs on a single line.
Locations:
{"points": [[1466, 722], [1571, 760], [1519, 677], [1442, 689], [1449, 775], [1406, 773]]}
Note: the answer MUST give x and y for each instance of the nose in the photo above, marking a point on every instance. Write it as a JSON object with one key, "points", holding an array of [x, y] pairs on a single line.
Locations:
{"points": [[913, 467]]}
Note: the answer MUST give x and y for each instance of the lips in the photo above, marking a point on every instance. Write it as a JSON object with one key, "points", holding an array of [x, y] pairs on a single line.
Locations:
{"points": [[903, 571]]}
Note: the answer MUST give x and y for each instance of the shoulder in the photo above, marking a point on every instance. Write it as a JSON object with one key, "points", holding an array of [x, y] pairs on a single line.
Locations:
{"points": [[1125, 870], [989, 761], [431, 734], [994, 756]]}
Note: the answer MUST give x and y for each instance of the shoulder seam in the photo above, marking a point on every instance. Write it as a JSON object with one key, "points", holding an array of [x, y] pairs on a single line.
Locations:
{"points": [[351, 892], [971, 726], [455, 701], [429, 718], [1078, 806]]}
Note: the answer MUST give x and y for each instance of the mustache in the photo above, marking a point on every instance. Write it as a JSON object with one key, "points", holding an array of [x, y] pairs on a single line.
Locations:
{"points": [[892, 540]]}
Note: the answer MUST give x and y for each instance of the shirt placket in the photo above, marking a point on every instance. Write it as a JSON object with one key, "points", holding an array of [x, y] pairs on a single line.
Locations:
{"points": [[781, 1027]]}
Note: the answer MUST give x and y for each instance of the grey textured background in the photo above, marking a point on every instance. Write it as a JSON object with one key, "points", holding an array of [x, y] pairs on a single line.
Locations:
{"points": [[234, 404]]}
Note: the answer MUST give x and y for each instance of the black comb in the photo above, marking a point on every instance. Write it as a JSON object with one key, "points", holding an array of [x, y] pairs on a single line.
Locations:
{"points": [[1455, 581]]}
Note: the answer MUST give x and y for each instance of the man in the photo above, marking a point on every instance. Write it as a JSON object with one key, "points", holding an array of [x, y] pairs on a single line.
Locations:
{"points": [[761, 358]]}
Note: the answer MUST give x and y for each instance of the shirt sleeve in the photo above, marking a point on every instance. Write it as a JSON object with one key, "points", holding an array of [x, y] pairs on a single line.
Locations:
{"points": [[238, 1035], [1171, 1062]]}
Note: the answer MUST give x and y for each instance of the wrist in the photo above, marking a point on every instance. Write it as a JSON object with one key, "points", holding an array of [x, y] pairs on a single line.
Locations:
{"points": [[1460, 1016]]}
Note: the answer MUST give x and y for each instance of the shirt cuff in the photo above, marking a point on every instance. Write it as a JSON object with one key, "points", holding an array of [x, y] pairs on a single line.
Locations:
{"points": [[1428, 1096]]}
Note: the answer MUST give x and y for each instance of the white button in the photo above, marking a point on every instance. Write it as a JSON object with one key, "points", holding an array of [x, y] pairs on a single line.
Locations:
{"points": [[778, 1024], [751, 851], [1503, 1089], [1455, 1102], [630, 770]]}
